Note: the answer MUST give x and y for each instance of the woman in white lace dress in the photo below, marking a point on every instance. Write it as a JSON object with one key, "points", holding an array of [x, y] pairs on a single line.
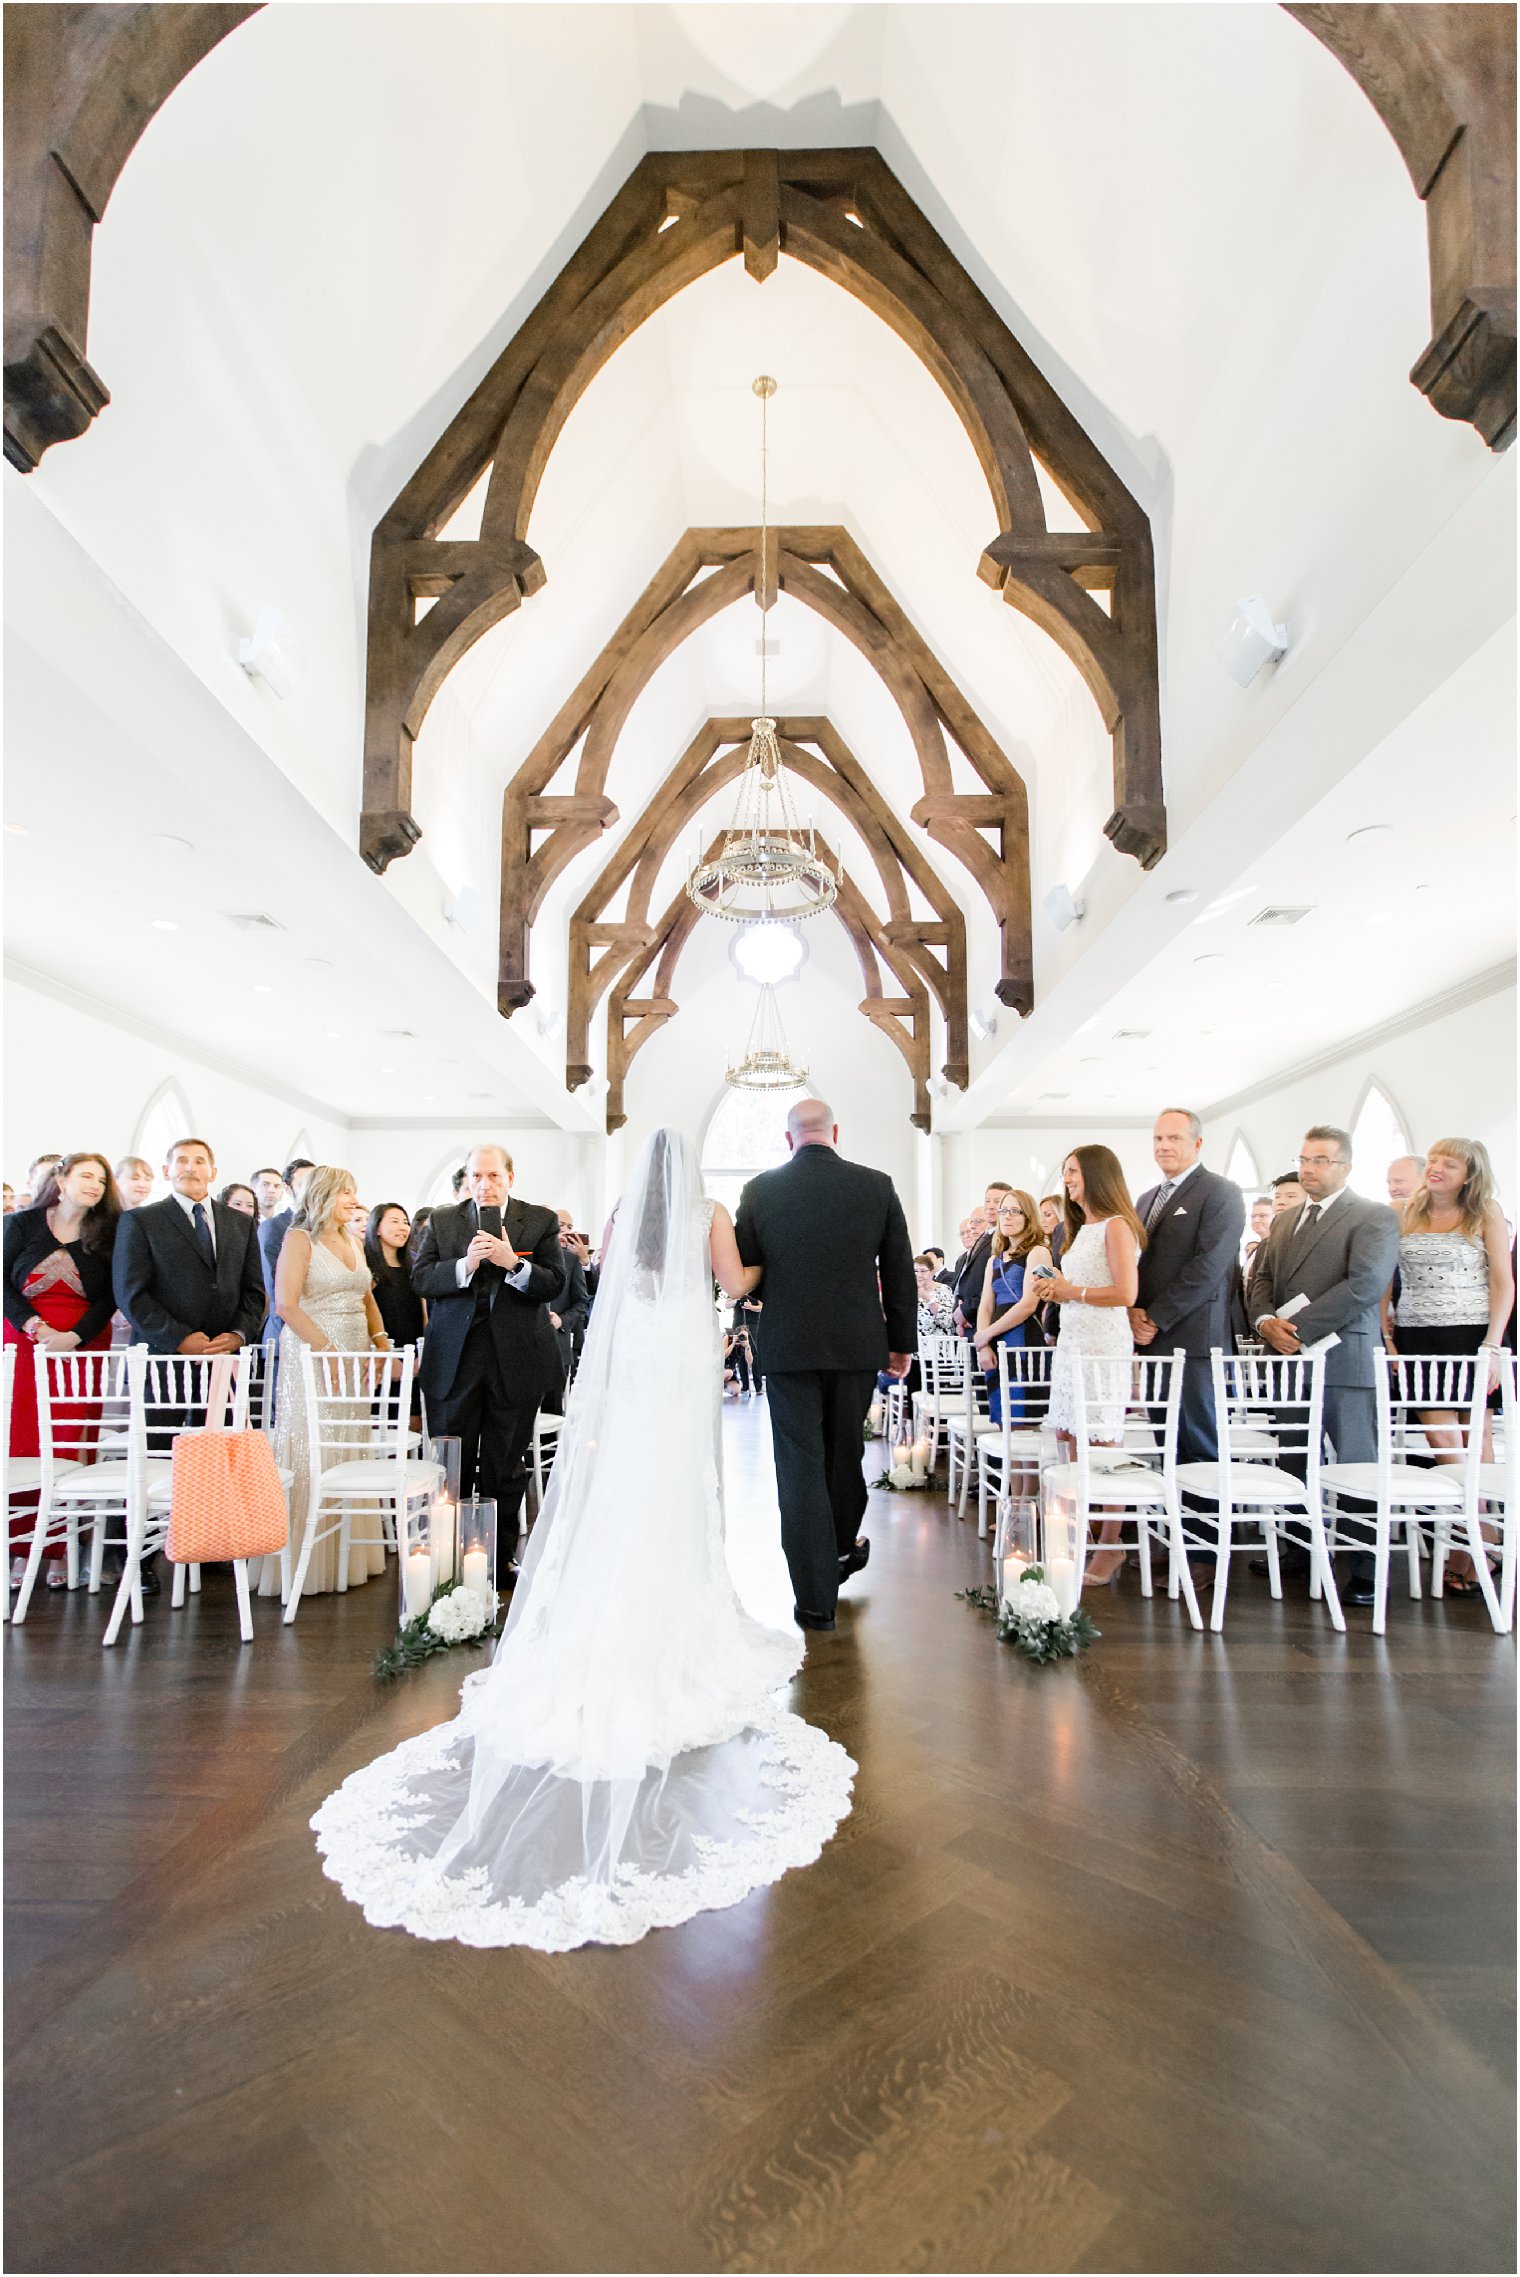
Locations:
{"points": [[1099, 1279], [626, 1761], [324, 1295]]}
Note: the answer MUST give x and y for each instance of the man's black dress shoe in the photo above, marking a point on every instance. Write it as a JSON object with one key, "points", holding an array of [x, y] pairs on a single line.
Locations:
{"points": [[824, 1621], [854, 1559], [1358, 1590], [151, 1585]]}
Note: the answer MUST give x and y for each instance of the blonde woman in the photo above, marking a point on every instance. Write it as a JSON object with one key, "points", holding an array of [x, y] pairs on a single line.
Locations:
{"points": [[324, 1295], [1456, 1286]]}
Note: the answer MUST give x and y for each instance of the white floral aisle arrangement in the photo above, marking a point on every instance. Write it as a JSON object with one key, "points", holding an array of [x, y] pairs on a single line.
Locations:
{"points": [[910, 1465], [1030, 1619], [456, 1616]]}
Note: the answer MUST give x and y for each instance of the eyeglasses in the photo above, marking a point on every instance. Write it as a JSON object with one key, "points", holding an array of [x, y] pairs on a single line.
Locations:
{"points": [[1319, 1161]]}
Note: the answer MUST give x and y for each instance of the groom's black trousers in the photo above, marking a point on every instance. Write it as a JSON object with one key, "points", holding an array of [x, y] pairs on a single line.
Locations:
{"points": [[818, 1432]]}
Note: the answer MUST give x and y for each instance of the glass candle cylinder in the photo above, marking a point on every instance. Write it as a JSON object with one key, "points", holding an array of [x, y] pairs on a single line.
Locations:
{"points": [[446, 1452], [1020, 1542], [477, 1548], [416, 1561], [1064, 1531], [919, 1457]]}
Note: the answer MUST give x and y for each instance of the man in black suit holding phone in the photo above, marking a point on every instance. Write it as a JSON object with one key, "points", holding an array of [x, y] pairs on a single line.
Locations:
{"points": [[490, 1269]]}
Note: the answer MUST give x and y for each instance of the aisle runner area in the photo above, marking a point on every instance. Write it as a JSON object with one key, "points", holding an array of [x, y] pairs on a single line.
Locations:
{"points": [[1195, 1954]]}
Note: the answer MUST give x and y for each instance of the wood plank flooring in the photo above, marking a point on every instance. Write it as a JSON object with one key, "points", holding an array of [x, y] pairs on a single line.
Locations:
{"points": [[1196, 1954]]}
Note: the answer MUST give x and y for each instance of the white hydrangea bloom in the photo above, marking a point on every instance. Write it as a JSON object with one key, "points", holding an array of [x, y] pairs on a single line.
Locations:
{"points": [[1035, 1602]]}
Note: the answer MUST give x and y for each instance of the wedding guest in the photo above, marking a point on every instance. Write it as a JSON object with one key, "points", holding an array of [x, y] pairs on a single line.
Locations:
{"points": [[972, 1226], [580, 1247], [387, 1252], [134, 1181], [269, 1185], [568, 1316], [1262, 1213], [968, 1282], [240, 1197], [1457, 1288], [58, 1295], [36, 1179], [1338, 1253], [1052, 1221], [744, 1327], [1011, 1292], [1287, 1194], [460, 1179], [936, 1304], [1096, 1286], [1404, 1175], [936, 1257], [272, 1232], [419, 1227], [1193, 1222], [325, 1299], [9, 1195], [491, 1358]]}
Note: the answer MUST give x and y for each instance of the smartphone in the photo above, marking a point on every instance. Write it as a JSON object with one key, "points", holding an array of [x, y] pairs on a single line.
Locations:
{"points": [[1042, 1272], [490, 1218]]}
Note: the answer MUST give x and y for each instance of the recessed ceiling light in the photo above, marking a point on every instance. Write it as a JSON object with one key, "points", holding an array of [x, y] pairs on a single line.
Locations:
{"points": [[262, 988], [1370, 830], [1184, 893], [387, 1071], [168, 844], [164, 925], [333, 1035], [428, 1097], [1381, 917], [17, 830]]}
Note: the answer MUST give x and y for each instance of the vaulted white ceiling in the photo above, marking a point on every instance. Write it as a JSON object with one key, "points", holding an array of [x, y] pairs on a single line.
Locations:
{"points": [[1189, 215]]}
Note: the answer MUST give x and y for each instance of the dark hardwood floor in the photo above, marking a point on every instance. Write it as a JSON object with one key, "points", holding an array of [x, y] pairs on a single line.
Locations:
{"points": [[1193, 1955]]}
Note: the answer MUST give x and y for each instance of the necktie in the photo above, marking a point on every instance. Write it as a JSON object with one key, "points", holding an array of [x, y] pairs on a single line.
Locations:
{"points": [[1310, 1218], [203, 1233], [1159, 1204]]}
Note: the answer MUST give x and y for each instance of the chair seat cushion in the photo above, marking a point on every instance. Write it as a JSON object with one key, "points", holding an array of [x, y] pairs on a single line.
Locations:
{"points": [[23, 1473], [1253, 1483], [362, 1477], [1409, 1484], [107, 1482], [1493, 1481], [1137, 1486], [1249, 1442]]}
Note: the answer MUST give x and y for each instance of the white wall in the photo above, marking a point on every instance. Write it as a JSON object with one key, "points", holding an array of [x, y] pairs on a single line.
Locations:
{"points": [[77, 1079], [1449, 1076]]}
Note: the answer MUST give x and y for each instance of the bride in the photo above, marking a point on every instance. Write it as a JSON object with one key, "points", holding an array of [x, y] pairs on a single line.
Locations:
{"points": [[625, 1762]]}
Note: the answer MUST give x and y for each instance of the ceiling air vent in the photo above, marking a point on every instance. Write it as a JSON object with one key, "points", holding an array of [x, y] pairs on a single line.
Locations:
{"points": [[255, 921], [1279, 916]]}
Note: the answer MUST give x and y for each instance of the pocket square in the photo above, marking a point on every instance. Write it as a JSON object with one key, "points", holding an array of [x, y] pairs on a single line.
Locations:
{"points": [[1182, 1213]]}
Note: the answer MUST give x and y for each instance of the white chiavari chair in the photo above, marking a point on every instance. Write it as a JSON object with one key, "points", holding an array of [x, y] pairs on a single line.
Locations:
{"points": [[1012, 1453], [358, 1412], [1414, 1488], [542, 1449], [1257, 1396], [83, 1397], [1496, 1484], [176, 1392], [943, 1362], [251, 1401], [1128, 1484]]}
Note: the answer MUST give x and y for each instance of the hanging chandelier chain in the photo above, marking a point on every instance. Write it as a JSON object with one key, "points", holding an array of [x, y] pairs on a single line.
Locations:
{"points": [[764, 392]]}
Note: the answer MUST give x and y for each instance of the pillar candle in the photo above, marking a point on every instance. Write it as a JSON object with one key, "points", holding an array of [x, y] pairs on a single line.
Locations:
{"points": [[445, 1531], [1014, 1570], [477, 1574], [419, 1581], [1061, 1573]]}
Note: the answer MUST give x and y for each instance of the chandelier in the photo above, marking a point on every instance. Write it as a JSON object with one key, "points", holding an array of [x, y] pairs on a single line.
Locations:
{"points": [[767, 1065], [768, 868]]}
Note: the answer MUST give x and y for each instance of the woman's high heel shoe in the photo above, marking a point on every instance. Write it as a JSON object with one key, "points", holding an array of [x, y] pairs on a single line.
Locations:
{"points": [[1103, 1581]]}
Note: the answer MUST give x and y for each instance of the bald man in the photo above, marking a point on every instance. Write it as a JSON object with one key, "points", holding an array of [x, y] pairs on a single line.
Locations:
{"points": [[841, 1303]]}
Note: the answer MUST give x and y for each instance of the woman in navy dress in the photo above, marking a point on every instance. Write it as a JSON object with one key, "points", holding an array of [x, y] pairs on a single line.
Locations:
{"points": [[1010, 1293]]}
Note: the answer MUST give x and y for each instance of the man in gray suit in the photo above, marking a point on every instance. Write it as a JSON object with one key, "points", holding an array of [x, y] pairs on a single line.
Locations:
{"points": [[1338, 1252]]}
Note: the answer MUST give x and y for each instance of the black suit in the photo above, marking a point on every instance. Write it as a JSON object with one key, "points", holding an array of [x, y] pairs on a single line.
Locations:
{"points": [[272, 1232], [167, 1287], [573, 1305], [1186, 1270], [491, 1360], [839, 1294], [970, 1277]]}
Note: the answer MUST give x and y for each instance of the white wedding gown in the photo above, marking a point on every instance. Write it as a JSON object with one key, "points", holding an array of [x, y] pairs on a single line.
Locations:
{"points": [[626, 1761]]}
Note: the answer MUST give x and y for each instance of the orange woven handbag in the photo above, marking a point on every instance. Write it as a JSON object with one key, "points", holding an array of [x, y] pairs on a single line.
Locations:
{"points": [[225, 1500]]}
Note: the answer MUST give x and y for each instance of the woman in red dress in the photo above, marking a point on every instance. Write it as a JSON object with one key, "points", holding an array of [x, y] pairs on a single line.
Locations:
{"points": [[58, 1294]]}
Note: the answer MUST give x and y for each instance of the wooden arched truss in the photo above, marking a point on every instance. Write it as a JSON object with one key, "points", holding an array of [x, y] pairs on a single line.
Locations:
{"points": [[639, 1008], [926, 955], [678, 216], [987, 829]]}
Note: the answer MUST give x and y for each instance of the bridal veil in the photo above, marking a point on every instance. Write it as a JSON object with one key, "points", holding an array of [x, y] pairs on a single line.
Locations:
{"points": [[625, 1762]]}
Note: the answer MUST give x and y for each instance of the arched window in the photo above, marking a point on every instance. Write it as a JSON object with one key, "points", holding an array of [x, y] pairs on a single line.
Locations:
{"points": [[1242, 1166], [1378, 1137], [301, 1149], [165, 1118], [747, 1133], [441, 1193]]}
